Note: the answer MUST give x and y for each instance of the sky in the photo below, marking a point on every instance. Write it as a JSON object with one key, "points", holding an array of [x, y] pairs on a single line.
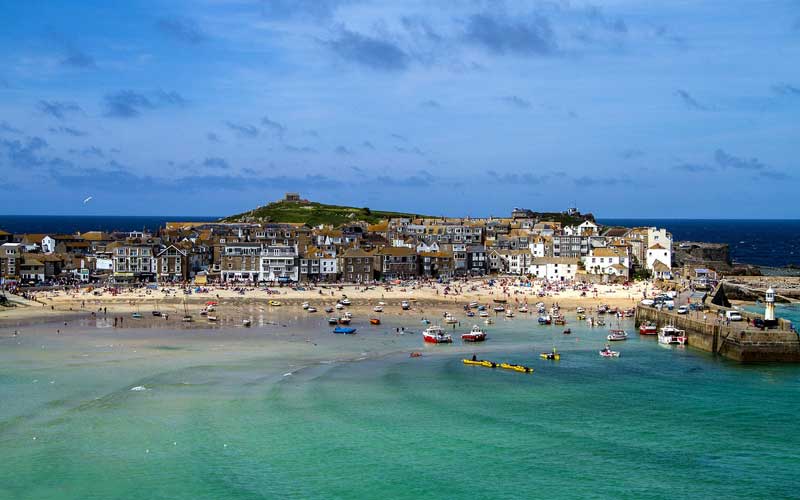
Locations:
{"points": [[622, 108]]}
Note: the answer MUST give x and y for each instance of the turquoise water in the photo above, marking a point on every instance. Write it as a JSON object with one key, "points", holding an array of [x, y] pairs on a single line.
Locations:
{"points": [[295, 412]]}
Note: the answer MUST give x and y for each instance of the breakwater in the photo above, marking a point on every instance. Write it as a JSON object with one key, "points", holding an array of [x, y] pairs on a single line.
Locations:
{"points": [[737, 340]]}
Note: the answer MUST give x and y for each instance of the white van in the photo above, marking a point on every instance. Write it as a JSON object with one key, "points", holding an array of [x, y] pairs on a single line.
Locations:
{"points": [[733, 315]]}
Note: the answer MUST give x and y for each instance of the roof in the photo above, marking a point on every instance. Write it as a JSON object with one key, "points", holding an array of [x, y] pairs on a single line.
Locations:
{"points": [[356, 252], [397, 251], [657, 246], [95, 236], [619, 267], [660, 267], [604, 252], [4, 233], [554, 260], [441, 255]]}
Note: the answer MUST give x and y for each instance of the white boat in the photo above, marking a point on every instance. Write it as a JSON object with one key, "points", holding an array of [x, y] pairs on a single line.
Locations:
{"points": [[483, 314], [348, 315], [211, 317], [381, 303], [450, 320], [580, 310], [346, 302], [489, 321], [606, 352], [474, 335], [405, 305], [435, 335], [499, 308], [509, 314], [378, 309], [671, 335], [473, 305], [306, 305], [246, 322], [523, 309], [311, 309], [615, 335], [339, 305]]}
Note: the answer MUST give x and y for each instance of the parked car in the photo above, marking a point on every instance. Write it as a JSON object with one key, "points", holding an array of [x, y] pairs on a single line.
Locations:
{"points": [[759, 323], [683, 310], [733, 315]]}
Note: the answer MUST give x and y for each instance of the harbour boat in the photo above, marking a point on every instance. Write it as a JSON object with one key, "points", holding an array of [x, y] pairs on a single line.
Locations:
{"points": [[580, 317], [405, 305], [470, 314], [499, 308], [211, 317], [328, 310], [345, 330], [480, 362], [345, 301], [246, 323], [567, 331], [274, 303], [516, 368], [580, 310], [415, 354], [339, 305], [306, 305], [426, 321], [671, 335], [606, 352], [553, 355], [311, 309], [600, 322], [378, 309], [481, 308], [489, 321], [472, 305], [136, 315], [375, 321], [187, 319], [523, 309], [509, 314], [348, 315], [560, 320], [157, 313], [333, 321], [474, 335], [435, 335], [545, 320], [450, 320], [648, 328], [616, 335], [499, 301], [203, 311], [344, 320], [483, 314], [381, 303]]}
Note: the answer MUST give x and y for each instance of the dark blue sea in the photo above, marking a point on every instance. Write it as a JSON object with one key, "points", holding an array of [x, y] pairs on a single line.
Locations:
{"points": [[770, 243], [67, 224]]}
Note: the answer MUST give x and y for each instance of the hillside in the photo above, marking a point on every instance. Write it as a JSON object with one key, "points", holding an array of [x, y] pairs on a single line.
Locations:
{"points": [[312, 214]]}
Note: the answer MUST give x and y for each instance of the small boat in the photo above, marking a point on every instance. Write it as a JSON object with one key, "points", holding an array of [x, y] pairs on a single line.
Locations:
{"points": [[348, 315], [606, 352], [479, 362], [246, 323], [203, 311], [483, 314], [426, 321], [405, 305], [545, 320], [499, 309], [474, 335], [378, 309], [555, 356], [450, 320], [648, 328], [344, 320], [616, 335], [567, 331], [311, 309], [523, 309], [499, 301], [328, 310], [274, 303], [509, 314], [306, 305], [157, 314], [211, 317], [580, 316], [381, 303], [472, 305], [470, 314], [580, 310], [481, 308], [345, 330], [339, 306], [375, 321], [345, 302], [600, 322], [560, 320], [489, 321], [187, 319], [671, 335], [136, 315], [415, 354], [516, 368], [333, 321], [435, 335]]}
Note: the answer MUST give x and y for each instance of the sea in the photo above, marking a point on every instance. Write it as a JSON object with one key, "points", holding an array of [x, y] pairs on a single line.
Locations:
{"points": [[767, 243], [285, 409]]}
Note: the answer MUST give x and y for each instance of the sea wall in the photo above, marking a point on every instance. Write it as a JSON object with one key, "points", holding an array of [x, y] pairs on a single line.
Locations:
{"points": [[737, 341]]}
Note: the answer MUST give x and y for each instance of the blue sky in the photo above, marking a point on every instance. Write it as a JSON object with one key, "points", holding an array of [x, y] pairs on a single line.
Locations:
{"points": [[461, 107]]}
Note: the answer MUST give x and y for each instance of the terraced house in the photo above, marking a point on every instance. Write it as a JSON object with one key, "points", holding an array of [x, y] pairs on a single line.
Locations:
{"points": [[397, 262], [133, 261]]}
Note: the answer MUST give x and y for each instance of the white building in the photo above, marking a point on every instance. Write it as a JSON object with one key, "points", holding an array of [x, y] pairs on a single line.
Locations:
{"points": [[554, 268], [659, 250]]}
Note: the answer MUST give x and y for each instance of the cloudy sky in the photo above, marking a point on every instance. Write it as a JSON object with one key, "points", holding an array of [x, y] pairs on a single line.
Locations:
{"points": [[210, 107]]}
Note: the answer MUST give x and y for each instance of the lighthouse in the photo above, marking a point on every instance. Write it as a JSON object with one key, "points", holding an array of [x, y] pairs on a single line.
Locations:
{"points": [[769, 312]]}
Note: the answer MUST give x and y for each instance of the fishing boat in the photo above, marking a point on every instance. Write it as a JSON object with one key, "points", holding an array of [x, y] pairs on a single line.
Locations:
{"points": [[648, 328], [378, 309], [311, 309], [616, 335], [246, 323], [450, 320], [405, 305], [333, 321], [509, 314], [344, 320], [499, 308], [483, 314], [516, 368], [375, 321], [553, 355], [606, 352], [345, 330], [671, 335], [435, 335], [545, 320], [474, 335]]}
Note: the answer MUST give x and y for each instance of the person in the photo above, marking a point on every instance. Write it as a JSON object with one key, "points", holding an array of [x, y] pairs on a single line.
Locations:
{"points": [[474, 357]]}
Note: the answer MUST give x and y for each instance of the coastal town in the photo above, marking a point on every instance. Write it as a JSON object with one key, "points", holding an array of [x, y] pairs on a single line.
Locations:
{"points": [[567, 248]]}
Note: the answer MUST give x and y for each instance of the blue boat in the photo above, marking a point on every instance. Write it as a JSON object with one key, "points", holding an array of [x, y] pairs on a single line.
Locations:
{"points": [[346, 330]]}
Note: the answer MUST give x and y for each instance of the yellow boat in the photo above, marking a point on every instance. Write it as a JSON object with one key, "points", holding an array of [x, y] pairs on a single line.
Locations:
{"points": [[550, 355], [274, 303], [480, 362], [516, 368]]}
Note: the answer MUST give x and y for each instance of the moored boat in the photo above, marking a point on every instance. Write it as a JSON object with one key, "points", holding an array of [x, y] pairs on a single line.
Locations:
{"points": [[606, 352], [435, 335], [344, 320], [405, 305], [311, 309], [545, 320], [378, 309], [552, 355], [648, 328], [474, 335], [374, 321], [333, 321], [345, 330], [671, 335], [516, 368], [615, 335], [246, 323]]}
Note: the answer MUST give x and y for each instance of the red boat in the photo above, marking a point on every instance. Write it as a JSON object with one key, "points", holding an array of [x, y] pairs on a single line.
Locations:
{"points": [[474, 335], [435, 335], [648, 329]]}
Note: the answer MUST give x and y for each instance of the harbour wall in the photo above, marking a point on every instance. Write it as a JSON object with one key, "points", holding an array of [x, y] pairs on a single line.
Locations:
{"points": [[737, 341]]}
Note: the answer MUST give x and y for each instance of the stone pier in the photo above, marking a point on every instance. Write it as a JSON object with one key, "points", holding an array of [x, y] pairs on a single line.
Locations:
{"points": [[737, 341]]}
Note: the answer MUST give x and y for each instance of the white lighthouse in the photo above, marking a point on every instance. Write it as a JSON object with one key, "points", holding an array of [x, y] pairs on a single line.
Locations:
{"points": [[769, 312]]}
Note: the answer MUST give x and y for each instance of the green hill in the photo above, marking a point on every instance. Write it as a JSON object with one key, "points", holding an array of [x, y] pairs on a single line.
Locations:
{"points": [[313, 214]]}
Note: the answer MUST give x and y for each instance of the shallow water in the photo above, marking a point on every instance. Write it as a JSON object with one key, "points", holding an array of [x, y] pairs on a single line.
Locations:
{"points": [[295, 412]]}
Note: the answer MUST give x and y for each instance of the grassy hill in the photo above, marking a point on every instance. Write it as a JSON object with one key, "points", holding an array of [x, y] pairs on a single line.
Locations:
{"points": [[313, 214]]}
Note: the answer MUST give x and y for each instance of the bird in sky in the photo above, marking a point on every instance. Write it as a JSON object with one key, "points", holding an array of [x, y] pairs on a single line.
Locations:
{"points": [[87, 200]]}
